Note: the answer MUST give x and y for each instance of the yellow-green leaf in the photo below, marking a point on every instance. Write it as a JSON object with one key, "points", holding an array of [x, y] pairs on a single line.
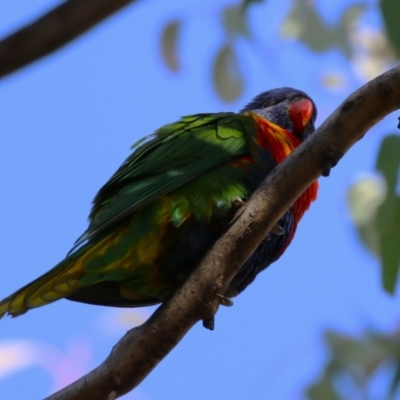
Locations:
{"points": [[388, 216], [354, 362], [390, 12], [227, 76], [235, 21], [306, 24], [169, 45], [363, 200]]}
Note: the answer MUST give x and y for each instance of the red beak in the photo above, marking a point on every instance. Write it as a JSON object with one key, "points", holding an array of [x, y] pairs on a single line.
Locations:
{"points": [[300, 113]]}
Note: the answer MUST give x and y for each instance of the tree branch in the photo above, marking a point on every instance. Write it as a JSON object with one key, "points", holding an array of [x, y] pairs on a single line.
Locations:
{"points": [[142, 348], [53, 30]]}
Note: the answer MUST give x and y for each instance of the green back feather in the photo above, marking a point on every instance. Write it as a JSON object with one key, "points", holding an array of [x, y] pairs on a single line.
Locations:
{"points": [[173, 155]]}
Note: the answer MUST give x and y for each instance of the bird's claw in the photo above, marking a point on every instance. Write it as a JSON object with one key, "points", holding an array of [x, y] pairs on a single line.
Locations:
{"points": [[238, 202], [278, 230], [225, 300], [241, 206]]}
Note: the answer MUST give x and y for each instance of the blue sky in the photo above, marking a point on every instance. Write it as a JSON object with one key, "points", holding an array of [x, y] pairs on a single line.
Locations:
{"points": [[68, 122]]}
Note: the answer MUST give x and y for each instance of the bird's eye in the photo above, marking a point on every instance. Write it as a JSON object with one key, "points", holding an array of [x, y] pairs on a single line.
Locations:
{"points": [[267, 104]]}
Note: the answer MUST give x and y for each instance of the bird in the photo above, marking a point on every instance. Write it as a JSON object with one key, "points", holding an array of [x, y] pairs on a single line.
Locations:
{"points": [[170, 201]]}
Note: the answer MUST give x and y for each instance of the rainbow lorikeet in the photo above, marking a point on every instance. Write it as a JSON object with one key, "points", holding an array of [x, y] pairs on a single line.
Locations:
{"points": [[171, 199]]}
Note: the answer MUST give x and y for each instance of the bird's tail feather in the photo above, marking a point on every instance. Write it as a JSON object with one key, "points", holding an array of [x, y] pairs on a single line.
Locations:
{"points": [[62, 280], [41, 291]]}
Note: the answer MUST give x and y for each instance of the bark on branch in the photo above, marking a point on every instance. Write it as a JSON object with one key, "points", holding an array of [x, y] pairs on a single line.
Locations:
{"points": [[142, 348], [52, 31]]}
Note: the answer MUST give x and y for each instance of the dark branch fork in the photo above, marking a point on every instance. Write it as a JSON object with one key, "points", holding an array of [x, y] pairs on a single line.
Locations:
{"points": [[142, 348]]}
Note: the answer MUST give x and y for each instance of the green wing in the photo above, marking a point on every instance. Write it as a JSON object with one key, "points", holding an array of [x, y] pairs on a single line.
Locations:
{"points": [[173, 155], [120, 258]]}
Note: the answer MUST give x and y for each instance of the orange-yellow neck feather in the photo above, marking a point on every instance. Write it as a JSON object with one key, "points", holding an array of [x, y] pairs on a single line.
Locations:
{"points": [[281, 143]]}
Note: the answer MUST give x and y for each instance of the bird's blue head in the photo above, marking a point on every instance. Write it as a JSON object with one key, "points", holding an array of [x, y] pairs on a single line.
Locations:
{"points": [[292, 109]]}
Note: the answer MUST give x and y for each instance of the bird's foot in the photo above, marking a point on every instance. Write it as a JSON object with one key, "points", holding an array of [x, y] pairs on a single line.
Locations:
{"points": [[224, 300], [241, 206]]}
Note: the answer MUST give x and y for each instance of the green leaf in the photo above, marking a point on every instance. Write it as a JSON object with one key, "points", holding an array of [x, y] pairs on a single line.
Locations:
{"points": [[363, 200], [367, 352], [396, 381], [388, 160], [235, 21], [389, 248], [169, 42], [247, 3], [388, 215], [304, 23], [354, 361], [347, 20], [227, 76], [375, 210], [390, 12], [323, 390]]}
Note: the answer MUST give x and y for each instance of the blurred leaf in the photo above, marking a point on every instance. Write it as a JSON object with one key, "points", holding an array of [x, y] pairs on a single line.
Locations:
{"points": [[388, 216], [304, 23], [390, 249], [351, 14], [363, 200], [235, 21], [332, 80], [169, 42], [130, 318], [322, 390], [247, 3], [227, 76], [367, 352], [357, 359], [375, 210], [348, 18], [391, 13], [372, 52], [388, 161], [396, 381]]}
